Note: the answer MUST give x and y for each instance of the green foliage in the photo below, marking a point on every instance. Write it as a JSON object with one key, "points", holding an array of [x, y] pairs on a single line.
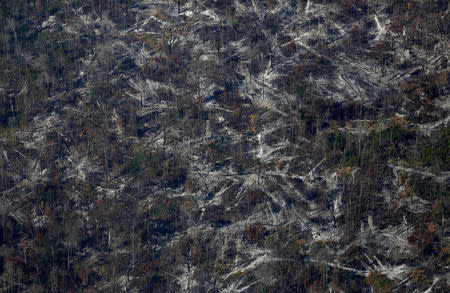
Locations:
{"points": [[219, 45], [32, 75], [235, 23], [43, 39], [337, 140], [427, 188], [420, 279], [64, 50], [51, 245], [10, 8], [379, 282], [181, 112], [47, 193], [320, 251], [4, 11], [54, 5], [250, 162], [351, 159], [437, 154], [377, 145], [165, 210], [165, 217], [223, 267], [395, 133], [103, 95], [6, 113], [303, 91], [286, 242], [157, 167], [271, 165], [147, 161]]}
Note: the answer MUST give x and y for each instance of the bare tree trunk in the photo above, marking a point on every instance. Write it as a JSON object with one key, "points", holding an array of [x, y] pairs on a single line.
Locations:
{"points": [[109, 237]]}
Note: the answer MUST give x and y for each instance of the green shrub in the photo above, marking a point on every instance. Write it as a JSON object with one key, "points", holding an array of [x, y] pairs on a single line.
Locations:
{"points": [[420, 279], [157, 167], [393, 134], [303, 90], [351, 159], [337, 140], [285, 242], [379, 282], [427, 188], [54, 5], [437, 155], [47, 193]]}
